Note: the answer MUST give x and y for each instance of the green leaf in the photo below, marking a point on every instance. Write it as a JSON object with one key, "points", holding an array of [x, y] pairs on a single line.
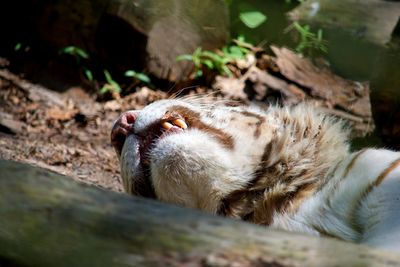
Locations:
{"points": [[130, 73], [108, 76], [197, 62], [252, 19], [143, 77], [241, 38], [197, 52], [67, 50], [104, 89], [244, 50], [75, 51], [17, 47], [198, 73], [225, 50], [88, 74], [209, 63], [113, 85], [184, 57], [235, 52], [213, 56], [116, 87], [82, 53]]}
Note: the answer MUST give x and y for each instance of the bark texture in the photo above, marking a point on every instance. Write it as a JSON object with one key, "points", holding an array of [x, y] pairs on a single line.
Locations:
{"points": [[50, 220]]}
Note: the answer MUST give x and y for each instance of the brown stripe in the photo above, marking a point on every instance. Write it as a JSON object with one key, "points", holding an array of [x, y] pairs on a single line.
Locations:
{"points": [[263, 166], [257, 132], [344, 176], [245, 193], [192, 118], [352, 162], [258, 201], [368, 190], [250, 114], [258, 124], [329, 176], [388, 170], [346, 172], [380, 178]]}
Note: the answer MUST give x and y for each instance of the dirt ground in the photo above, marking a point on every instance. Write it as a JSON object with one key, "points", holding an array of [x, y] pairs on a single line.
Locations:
{"points": [[68, 133]]}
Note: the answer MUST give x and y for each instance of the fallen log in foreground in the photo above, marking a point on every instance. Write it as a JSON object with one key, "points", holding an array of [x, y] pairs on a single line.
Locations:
{"points": [[49, 220]]}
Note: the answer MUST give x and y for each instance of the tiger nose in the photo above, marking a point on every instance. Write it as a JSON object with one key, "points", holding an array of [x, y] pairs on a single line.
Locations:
{"points": [[122, 127]]}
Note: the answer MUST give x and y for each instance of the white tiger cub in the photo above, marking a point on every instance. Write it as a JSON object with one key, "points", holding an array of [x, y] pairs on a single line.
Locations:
{"points": [[286, 168]]}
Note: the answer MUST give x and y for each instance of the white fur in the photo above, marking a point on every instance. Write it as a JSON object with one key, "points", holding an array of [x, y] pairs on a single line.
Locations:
{"points": [[192, 186], [334, 209], [194, 169]]}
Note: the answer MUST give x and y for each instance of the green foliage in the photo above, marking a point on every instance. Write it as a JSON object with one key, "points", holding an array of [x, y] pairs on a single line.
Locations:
{"points": [[17, 46], [217, 61], [111, 85], [248, 15], [139, 76], [75, 51], [309, 41], [88, 73], [252, 19], [80, 55]]}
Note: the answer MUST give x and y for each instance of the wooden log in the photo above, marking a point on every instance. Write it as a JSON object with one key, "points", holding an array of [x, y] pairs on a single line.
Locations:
{"points": [[10, 125], [371, 20], [289, 78], [35, 92], [50, 220], [322, 83]]}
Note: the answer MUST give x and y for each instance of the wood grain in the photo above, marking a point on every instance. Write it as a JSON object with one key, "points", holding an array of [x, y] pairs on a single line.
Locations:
{"points": [[50, 220]]}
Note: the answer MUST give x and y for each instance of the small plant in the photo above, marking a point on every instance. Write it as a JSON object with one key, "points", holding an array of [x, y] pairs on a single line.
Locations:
{"points": [[309, 41], [219, 60], [17, 46], [110, 86], [252, 19], [80, 55], [248, 15], [76, 52], [138, 76]]}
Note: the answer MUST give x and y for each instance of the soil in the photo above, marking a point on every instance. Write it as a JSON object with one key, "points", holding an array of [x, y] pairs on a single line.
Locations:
{"points": [[69, 134]]}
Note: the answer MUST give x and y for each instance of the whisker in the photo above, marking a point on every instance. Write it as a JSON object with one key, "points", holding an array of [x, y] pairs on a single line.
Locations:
{"points": [[176, 94]]}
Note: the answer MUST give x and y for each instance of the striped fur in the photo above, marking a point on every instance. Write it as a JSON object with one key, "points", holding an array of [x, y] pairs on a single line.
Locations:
{"points": [[286, 168]]}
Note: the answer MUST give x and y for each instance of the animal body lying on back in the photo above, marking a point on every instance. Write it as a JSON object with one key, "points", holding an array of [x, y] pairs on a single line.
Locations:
{"points": [[286, 168]]}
